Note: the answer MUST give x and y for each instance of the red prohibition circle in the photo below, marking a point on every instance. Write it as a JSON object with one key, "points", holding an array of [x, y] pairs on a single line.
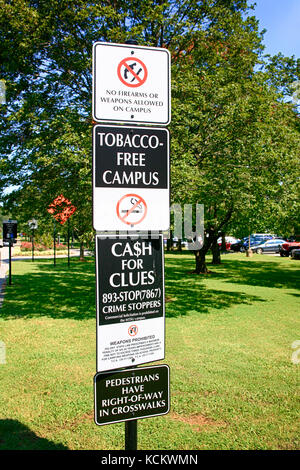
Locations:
{"points": [[139, 200], [133, 330], [140, 81]]}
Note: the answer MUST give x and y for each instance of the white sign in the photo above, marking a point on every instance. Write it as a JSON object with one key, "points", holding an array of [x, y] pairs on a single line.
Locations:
{"points": [[131, 84], [130, 178], [130, 301], [32, 224]]}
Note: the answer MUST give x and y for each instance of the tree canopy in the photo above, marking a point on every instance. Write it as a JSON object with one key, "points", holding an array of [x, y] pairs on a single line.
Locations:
{"points": [[234, 135]]}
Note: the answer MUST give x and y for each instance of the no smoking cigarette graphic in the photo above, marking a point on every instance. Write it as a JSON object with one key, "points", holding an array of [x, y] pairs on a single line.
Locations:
{"points": [[131, 209]]}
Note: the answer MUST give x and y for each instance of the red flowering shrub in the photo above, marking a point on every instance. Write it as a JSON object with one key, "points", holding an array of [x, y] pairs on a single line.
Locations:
{"points": [[26, 246], [60, 246]]}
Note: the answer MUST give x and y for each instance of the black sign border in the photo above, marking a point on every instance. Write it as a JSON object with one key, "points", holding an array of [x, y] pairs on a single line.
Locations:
{"points": [[131, 369]]}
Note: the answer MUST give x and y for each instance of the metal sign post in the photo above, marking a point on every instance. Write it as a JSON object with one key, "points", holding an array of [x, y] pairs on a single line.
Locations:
{"points": [[131, 435], [9, 249], [33, 225], [61, 209], [54, 242], [32, 245], [10, 236], [131, 193], [68, 242]]}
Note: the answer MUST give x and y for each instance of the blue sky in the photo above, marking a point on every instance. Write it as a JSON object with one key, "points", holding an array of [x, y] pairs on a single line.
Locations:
{"points": [[281, 19]]}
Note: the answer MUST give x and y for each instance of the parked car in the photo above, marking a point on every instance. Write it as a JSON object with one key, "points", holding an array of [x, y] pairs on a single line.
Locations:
{"points": [[264, 235], [270, 246], [295, 254], [238, 246], [255, 239], [287, 248], [228, 242]]}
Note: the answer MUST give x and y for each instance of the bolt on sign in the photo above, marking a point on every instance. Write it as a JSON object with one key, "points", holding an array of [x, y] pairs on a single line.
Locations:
{"points": [[130, 301], [130, 178], [131, 84], [61, 209], [129, 394]]}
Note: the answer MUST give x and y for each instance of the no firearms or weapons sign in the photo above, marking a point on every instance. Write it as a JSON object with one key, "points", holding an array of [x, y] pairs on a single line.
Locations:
{"points": [[131, 84]]}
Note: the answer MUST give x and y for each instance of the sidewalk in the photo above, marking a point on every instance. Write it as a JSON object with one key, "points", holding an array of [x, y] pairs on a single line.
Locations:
{"points": [[3, 271], [74, 252]]}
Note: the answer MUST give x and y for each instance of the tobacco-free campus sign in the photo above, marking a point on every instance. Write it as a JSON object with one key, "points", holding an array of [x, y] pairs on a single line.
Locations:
{"points": [[131, 394], [131, 84], [130, 178], [130, 301]]}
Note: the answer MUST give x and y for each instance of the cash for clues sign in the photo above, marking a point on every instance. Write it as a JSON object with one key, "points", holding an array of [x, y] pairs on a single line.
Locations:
{"points": [[130, 301]]}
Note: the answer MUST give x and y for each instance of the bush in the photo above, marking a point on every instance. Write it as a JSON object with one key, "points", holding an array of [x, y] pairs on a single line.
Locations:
{"points": [[60, 246], [45, 239], [26, 247]]}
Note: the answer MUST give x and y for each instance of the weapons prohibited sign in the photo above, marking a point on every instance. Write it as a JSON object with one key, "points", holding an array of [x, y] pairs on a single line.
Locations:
{"points": [[132, 72], [131, 84]]}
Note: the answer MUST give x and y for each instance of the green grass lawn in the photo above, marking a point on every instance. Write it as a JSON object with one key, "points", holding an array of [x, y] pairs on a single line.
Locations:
{"points": [[229, 342]]}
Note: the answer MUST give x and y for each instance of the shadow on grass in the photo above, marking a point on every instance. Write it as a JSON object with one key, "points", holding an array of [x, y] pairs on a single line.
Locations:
{"points": [[262, 273], [62, 292], [186, 293], [16, 436], [52, 291], [257, 271]]}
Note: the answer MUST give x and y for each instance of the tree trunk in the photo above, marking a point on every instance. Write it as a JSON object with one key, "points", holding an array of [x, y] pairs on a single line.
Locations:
{"points": [[169, 241], [201, 267], [81, 254], [179, 246], [223, 246], [215, 252]]}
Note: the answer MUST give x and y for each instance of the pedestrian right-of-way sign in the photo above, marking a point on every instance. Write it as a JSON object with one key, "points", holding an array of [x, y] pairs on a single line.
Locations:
{"points": [[129, 394]]}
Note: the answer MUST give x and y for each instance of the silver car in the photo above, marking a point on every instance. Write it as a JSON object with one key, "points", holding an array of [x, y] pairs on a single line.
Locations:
{"points": [[270, 246]]}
